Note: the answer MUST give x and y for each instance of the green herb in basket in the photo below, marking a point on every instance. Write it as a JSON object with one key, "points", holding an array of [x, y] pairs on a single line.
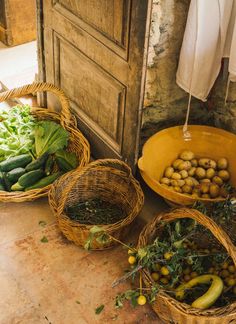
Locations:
{"points": [[95, 212]]}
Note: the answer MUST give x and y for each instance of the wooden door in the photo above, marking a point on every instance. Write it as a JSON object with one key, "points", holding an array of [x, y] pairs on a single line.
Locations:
{"points": [[94, 50]]}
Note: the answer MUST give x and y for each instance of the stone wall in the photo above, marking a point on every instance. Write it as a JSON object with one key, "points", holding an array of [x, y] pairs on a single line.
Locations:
{"points": [[165, 103]]}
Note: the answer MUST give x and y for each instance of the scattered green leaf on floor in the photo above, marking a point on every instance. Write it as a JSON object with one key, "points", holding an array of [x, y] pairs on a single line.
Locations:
{"points": [[44, 239], [42, 223], [99, 309], [77, 302]]}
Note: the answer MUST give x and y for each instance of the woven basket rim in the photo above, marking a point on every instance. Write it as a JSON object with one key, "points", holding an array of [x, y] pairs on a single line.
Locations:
{"points": [[172, 302]]}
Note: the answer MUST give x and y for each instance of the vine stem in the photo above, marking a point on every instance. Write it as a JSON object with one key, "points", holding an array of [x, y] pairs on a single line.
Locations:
{"points": [[118, 241], [140, 283]]}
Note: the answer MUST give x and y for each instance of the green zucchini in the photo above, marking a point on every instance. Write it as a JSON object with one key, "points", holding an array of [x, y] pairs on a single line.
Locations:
{"points": [[15, 174], [29, 178], [7, 183], [49, 165], [15, 162], [45, 181], [2, 186], [63, 164], [38, 163], [17, 187]]}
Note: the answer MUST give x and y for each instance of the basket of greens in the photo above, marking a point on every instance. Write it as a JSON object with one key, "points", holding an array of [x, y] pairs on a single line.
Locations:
{"points": [[37, 145]]}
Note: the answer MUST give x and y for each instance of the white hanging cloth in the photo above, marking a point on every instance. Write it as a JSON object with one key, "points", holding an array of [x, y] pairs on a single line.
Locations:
{"points": [[209, 36]]}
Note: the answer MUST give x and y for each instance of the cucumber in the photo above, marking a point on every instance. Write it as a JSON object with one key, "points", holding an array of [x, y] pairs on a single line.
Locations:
{"points": [[6, 182], [45, 181], [2, 186], [15, 174], [29, 178], [63, 164], [17, 187], [38, 163], [49, 165], [15, 162]]}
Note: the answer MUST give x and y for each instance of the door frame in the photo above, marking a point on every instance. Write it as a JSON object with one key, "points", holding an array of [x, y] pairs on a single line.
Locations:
{"points": [[42, 98]]}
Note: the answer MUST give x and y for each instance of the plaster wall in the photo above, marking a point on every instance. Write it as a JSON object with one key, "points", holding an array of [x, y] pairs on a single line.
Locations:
{"points": [[165, 103]]}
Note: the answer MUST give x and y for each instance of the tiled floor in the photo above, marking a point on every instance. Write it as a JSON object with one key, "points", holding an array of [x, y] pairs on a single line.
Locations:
{"points": [[57, 282]]}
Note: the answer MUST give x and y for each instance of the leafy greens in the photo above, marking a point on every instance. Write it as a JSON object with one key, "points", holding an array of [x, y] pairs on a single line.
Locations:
{"points": [[16, 131], [49, 137]]}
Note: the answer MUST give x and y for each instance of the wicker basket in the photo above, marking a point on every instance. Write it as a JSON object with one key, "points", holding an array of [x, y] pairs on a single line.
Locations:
{"points": [[77, 142], [109, 180], [169, 309]]}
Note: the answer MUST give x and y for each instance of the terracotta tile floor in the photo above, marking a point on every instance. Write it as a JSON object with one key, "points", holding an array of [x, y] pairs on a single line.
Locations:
{"points": [[41, 282]]}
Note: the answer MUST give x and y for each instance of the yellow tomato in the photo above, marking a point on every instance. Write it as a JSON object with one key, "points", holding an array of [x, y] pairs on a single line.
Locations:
{"points": [[132, 260], [141, 300], [155, 276], [168, 255], [164, 271]]}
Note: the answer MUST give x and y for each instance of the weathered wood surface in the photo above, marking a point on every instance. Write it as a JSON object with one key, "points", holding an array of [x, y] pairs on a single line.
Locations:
{"points": [[17, 22], [94, 51]]}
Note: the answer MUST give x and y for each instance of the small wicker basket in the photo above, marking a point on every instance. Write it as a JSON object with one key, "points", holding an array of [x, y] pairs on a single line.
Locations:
{"points": [[77, 142], [107, 179], [169, 309]]}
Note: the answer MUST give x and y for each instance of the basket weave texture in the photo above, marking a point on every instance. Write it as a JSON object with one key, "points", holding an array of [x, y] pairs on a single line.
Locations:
{"points": [[169, 309], [77, 142], [108, 179]]}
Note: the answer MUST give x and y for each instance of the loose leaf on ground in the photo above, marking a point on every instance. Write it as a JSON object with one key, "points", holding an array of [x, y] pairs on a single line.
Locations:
{"points": [[44, 239], [99, 309]]}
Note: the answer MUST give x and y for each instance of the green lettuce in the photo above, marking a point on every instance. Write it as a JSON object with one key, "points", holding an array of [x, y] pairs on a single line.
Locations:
{"points": [[49, 137], [16, 131]]}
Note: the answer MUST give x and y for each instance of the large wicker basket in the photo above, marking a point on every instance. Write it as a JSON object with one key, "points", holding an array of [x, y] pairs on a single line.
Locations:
{"points": [[169, 309], [107, 179], [77, 142]]}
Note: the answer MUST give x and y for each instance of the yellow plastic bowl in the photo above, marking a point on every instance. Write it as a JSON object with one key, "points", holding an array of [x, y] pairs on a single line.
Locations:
{"points": [[164, 147]]}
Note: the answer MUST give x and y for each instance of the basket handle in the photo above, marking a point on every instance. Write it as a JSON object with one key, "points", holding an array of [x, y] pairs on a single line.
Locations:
{"points": [[122, 166], [40, 87], [206, 221]]}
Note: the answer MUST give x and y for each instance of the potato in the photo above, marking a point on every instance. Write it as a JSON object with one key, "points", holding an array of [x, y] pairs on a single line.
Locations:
{"points": [[186, 165], [205, 196], [165, 181], [197, 191], [177, 189], [189, 182], [224, 175], [187, 155], [204, 188], [168, 172], [210, 173], [171, 188], [214, 190], [187, 189], [176, 176], [174, 183], [222, 164], [194, 162], [217, 180], [207, 163], [165, 185], [195, 181], [184, 174], [205, 181], [195, 195], [200, 173], [181, 183], [176, 163], [192, 171]]}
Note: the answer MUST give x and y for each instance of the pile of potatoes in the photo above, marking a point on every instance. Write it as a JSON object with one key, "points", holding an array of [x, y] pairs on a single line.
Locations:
{"points": [[198, 177]]}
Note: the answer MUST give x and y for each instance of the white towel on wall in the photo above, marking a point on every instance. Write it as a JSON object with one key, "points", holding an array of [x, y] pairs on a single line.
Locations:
{"points": [[210, 35]]}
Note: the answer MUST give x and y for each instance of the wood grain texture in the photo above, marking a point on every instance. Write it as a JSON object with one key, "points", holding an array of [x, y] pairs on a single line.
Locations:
{"points": [[94, 51]]}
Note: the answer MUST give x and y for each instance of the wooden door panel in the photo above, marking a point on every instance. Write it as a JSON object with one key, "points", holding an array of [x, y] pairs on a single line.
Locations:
{"points": [[111, 27], [94, 51], [92, 12], [96, 96]]}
